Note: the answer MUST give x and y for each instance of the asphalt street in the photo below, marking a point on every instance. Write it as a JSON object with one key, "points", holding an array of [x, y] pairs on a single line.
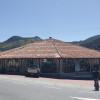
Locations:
{"points": [[15, 88]]}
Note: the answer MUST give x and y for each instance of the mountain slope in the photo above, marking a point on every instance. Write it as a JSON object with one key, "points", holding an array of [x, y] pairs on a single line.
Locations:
{"points": [[92, 42], [13, 39], [93, 38], [17, 41]]}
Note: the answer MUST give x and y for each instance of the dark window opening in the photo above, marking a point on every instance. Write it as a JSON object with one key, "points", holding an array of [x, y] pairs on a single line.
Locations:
{"points": [[48, 66], [68, 65]]}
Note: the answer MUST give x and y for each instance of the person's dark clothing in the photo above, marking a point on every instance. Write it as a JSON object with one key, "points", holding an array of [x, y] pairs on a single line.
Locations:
{"points": [[95, 74], [96, 78]]}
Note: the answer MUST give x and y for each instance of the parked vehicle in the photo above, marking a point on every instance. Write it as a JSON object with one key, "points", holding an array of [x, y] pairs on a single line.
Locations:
{"points": [[33, 71]]}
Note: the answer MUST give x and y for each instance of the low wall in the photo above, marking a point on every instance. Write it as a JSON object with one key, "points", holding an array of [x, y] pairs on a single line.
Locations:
{"points": [[75, 75]]}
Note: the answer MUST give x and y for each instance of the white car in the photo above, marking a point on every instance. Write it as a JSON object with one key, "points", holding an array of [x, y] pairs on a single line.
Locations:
{"points": [[33, 71]]}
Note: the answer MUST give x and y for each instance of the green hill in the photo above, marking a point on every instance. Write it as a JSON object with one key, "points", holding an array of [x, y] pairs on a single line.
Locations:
{"points": [[17, 41], [92, 42]]}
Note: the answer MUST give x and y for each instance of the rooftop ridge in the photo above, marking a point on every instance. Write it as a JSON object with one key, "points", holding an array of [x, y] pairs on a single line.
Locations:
{"points": [[56, 49], [52, 39]]}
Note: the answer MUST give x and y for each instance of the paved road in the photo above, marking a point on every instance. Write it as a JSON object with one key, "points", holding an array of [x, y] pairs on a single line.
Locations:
{"points": [[23, 88]]}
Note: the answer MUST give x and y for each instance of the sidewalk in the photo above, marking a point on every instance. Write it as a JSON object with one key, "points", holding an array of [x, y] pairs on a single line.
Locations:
{"points": [[84, 84]]}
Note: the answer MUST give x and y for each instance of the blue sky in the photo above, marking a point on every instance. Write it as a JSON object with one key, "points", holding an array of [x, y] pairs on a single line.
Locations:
{"points": [[66, 20]]}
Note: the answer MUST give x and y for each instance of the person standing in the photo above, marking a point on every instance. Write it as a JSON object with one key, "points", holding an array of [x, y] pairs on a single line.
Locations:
{"points": [[96, 79]]}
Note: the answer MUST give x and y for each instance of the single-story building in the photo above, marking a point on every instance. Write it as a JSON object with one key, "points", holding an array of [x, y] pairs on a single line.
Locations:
{"points": [[53, 57]]}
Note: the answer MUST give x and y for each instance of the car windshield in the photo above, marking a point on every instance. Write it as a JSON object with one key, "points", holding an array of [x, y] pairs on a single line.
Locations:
{"points": [[33, 67]]}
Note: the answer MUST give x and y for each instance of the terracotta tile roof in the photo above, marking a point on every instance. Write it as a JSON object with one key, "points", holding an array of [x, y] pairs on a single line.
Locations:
{"points": [[50, 48]]}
